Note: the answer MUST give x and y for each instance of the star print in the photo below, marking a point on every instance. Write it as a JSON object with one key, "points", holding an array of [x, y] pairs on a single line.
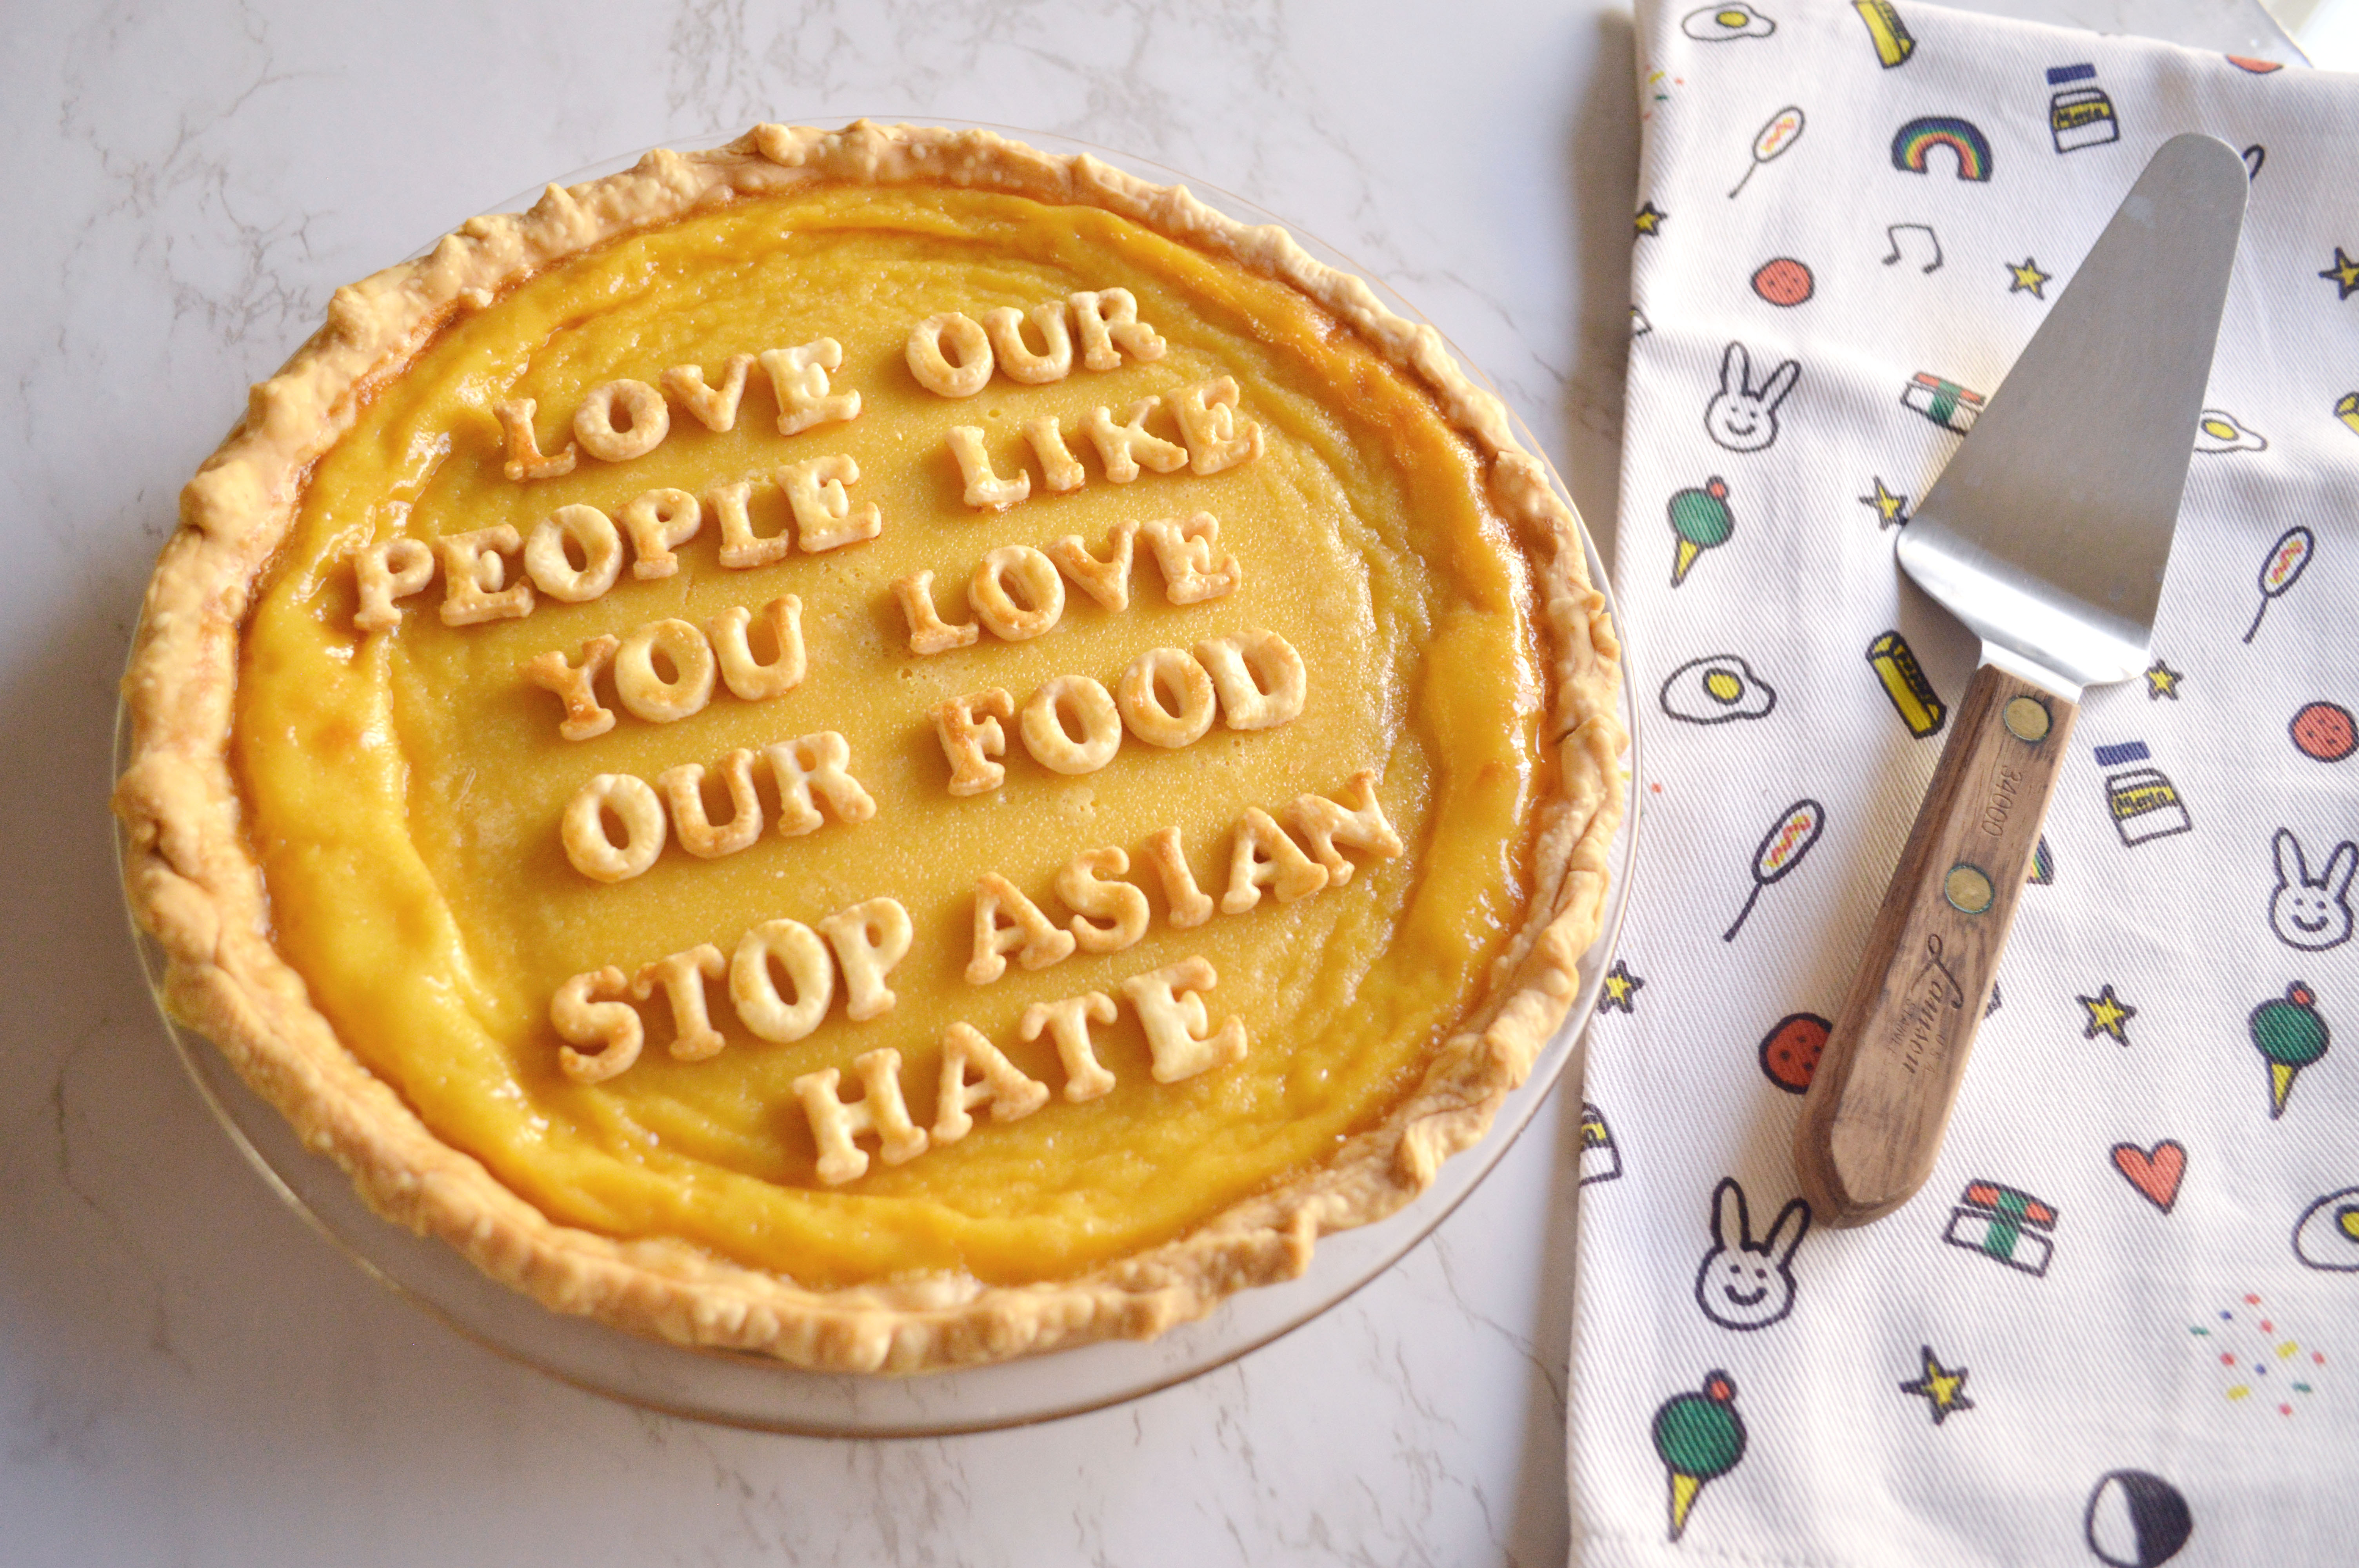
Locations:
{"points": [[2108, 1015], [2029, 278], [2162, 681], [2345, 274], [1944, 1388], [1621, 987], [1889, 508], [1650, 218]]}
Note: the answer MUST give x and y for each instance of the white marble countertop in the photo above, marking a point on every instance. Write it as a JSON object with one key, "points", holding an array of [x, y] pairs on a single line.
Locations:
{"points": [[187, 1373]]}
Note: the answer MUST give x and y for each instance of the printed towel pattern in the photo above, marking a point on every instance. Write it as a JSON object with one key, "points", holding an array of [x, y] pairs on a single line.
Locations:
{"points": [[2120, 1324]]}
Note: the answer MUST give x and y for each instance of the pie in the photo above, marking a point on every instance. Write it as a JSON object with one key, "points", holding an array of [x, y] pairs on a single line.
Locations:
{"points": [[874, 746]]}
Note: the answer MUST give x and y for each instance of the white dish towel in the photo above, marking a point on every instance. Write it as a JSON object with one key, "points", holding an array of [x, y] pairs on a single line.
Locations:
{"points": [[2120, 1323]]}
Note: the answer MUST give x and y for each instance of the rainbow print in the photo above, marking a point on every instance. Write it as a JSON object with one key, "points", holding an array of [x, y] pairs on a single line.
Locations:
{"points": [[1917, 139]]}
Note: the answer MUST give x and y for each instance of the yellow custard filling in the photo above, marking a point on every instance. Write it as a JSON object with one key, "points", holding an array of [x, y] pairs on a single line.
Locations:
{"points": [[406, 788]]}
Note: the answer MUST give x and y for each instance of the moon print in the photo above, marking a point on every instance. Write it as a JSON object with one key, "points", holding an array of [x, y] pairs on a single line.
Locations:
{"points": [[2136, 1521]]}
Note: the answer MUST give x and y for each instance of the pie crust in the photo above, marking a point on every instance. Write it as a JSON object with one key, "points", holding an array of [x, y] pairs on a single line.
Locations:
{"points": [[195, 884]]}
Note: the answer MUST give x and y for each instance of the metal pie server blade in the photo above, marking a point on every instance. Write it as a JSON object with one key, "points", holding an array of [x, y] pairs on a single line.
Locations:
{"points": [[2048, 532]]}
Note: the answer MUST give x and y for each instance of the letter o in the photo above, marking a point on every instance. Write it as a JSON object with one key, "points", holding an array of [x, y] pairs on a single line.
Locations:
{"points": [[648, 694], [593, 422], [1142, 698], [1033, 572], [934, 370], [593, 854], [1045, 735], [601, 553], [756, 996]]}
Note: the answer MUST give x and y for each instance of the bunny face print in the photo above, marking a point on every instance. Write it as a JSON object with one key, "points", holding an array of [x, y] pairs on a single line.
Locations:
{"points": [[1746, 1285], [2311, 915], [1743, 416]]}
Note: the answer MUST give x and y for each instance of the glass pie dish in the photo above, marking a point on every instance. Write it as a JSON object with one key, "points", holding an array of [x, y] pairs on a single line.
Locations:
{"points": [[756, 1390]]}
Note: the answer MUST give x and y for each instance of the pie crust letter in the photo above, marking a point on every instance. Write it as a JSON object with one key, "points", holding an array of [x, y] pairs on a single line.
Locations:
{"points": [[1106, 580], [715, 407], [1360, 824], [551, 567], [798, 376], [1259, 676], [1011, 1093], [682, 978], [934, 369], [881, 1111], [1261, 854], [1036, 943], [1141, 695], [657, 521], [869, 938], [683, 787], [1010, 619], [741, 547], [824, 519], [574, 685], [985, 490], [473, 571], [928, 633], [1109, 321], [826, 774], [1171, 1007], [1068, 1022], [748, 679], [754, 995], [1191, 572], [649, 694], [1216, 439], [524, 459], [1189, 905], [970, 735], [1055, 360], [646, 421], [1058, 465], [1087, 885], [593, 854], [395, 570], [1056, 748], [581, 1018], [1123, 448]]}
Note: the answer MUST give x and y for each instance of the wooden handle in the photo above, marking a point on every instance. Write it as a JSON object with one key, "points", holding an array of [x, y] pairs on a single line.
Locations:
{"points": [[1882, 1093]]}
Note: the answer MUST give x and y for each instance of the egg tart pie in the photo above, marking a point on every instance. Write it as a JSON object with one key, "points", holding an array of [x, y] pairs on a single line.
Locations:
{"points": [[873, 746]]}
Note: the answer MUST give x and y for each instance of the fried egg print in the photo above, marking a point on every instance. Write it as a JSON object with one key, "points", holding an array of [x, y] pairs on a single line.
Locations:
{"points": [[1723, 24], [2326, 1235], [2220, 431], [1715, 689]]}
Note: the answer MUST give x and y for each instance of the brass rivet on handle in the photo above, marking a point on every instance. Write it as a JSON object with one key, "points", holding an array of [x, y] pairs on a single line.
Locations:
{"points": [[2027, 719], [1968, 888]]}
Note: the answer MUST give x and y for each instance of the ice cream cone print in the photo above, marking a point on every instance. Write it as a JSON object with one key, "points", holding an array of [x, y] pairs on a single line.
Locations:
{"points": [[1684, 1489], [2291, 1033], [1699, 1437], [1701, 518]]}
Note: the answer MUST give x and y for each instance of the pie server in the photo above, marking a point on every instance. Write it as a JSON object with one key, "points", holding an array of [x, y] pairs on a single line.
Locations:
{"points": [[2047, 535]]}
